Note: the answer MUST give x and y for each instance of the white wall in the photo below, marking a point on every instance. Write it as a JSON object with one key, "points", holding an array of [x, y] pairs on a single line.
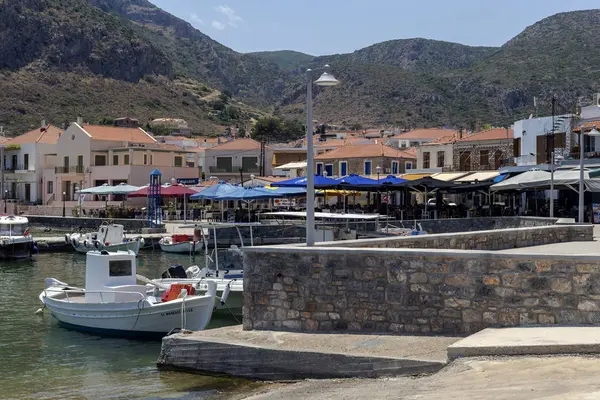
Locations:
{"points": [[529, 129]]}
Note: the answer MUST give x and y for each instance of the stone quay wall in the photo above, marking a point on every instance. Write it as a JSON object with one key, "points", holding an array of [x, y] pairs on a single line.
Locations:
{"points": [[403, 290], [450, 225], [74, 223], [499, 239]]}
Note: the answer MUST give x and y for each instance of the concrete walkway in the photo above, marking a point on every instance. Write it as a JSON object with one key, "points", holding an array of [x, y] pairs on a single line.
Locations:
{"points": [[285, 355], [508, 378], [528, 341], [568, 248]]}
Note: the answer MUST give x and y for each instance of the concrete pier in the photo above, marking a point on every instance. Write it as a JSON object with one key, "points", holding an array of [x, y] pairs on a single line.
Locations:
{"points": [[273, 355], [528, 341]]}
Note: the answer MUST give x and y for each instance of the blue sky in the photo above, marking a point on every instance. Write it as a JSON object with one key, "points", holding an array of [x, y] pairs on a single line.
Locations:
{"points": [[339, 26]]}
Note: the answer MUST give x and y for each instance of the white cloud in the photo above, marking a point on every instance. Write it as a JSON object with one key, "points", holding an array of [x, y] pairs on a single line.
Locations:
{"points": [[218, 25], [232, 18], [196, 19]]}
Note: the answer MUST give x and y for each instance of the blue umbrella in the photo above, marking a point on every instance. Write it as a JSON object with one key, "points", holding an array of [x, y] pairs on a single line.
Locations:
{"points": [[391, 180], [301, 182], [213, 192], [286, 191], [248, 194], [355, 180]]}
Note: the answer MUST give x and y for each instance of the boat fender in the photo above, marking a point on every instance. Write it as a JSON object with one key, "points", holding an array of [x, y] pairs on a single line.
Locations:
{"points": [[75, 242], [67, 239], [142, 241], [35, 249], [225, 294], [193, 271], [98, 244]]}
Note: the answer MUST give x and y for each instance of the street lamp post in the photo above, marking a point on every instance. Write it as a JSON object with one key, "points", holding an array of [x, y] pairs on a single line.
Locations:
{"points": [[64, 204], [378, 171], [593, 132], [5, 197], [326, 79]]}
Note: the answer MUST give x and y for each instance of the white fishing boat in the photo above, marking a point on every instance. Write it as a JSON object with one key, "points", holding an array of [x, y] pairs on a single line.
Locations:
{"points": [[221, 266], [15, 240], [110, 237], [181, 243], [112, 303]]}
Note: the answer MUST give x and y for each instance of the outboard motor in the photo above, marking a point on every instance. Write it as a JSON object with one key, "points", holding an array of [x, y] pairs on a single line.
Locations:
{"points": [[175, 271]]}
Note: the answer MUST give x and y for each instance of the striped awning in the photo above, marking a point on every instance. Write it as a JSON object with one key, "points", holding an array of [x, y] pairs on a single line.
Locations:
{"points": [[413, 177], [449, 176], [479, 176]]}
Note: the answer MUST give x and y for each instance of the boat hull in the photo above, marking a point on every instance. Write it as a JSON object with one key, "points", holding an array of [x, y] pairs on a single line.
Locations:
{"points": [[235, 299], [182, 247], [132, 318], [16, 250], [133, 245]]}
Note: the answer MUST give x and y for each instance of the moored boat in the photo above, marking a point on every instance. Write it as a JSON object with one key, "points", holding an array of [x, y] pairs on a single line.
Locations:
{"points": [[110, 237], [112, 303], [181, 243], [15, 240]]}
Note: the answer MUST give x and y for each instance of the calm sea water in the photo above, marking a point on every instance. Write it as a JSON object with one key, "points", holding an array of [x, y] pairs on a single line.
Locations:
{"points": [[40, 360]]}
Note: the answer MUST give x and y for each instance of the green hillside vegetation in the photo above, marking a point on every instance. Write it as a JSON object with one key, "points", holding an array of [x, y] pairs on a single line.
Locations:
{"points": [[285, 59]]}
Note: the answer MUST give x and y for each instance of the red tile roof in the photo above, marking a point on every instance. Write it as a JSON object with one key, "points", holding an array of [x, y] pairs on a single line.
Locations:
{"points": [[238, 144], [118, 134], [442, 140], [429, 133], [49, 135], [588, 126], [363, 151], [490, 134]]}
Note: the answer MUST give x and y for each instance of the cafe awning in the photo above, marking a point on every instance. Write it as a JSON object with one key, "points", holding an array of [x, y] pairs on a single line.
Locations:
{"points": [[414, 177], [479, 176], [449, 176]]}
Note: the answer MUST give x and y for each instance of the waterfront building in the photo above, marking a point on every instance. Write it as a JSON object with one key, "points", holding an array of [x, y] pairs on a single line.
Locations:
{"points": [[417, 137], [91, 155], [363, 159], [233, 159], [483, 151], [24, 160], [436, 156]]}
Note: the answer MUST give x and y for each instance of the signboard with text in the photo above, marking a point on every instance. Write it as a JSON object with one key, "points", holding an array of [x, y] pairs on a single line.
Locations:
{"points": [[188, 181]]}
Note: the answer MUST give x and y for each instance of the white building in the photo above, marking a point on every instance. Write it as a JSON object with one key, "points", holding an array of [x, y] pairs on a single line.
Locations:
{"points": [[533, 139], [25, 158]]}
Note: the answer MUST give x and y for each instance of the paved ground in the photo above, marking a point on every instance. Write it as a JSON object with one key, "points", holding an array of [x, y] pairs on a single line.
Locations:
{"points": [[528, 341], [515, 378], [584, 248], [570, 248]]}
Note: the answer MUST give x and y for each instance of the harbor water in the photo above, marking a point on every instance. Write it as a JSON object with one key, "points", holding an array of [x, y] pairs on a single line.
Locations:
{"points": [[41, 360]]}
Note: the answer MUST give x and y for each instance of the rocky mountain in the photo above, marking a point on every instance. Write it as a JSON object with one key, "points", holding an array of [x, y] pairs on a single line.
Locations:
{"points": [[285, 59], [107, 58]]}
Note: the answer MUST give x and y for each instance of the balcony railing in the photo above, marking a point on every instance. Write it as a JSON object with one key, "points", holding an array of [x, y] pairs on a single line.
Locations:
{"points": [[19, 167], [69, 170], [233, 169]]}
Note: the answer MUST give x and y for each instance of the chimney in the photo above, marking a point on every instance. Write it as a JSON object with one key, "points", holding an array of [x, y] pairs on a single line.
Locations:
{"points": [[43, 127], [80, 121]]}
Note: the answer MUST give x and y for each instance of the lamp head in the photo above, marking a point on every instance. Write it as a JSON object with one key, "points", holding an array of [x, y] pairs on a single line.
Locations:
{"points": [[326, 79], [593, 132]]}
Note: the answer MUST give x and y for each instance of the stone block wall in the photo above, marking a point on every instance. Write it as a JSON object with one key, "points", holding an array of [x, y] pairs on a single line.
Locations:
{"points": [[73, 223], [415, 291], [476, 224], [499, 239]]}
